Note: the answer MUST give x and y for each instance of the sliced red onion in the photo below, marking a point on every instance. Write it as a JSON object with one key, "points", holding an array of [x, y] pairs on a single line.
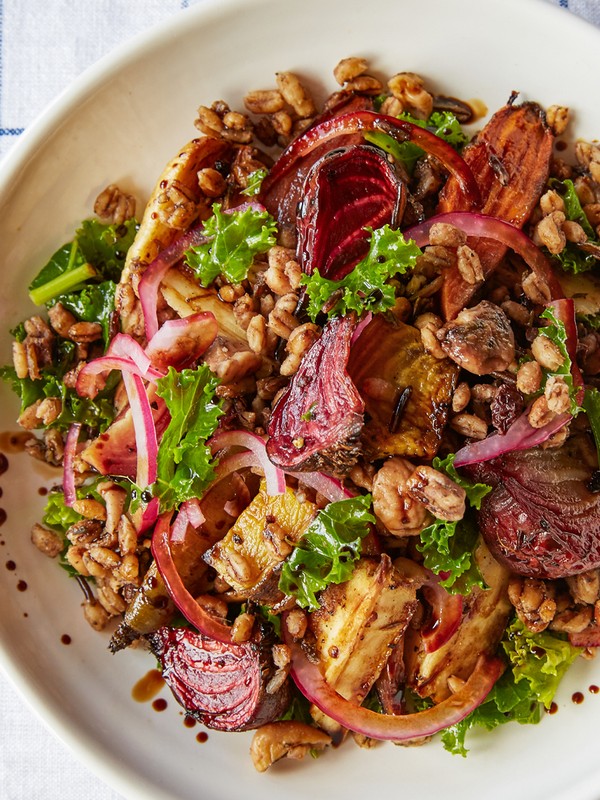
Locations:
{"points": [[87, 384], [145, 430], [68, 464], [362, 121], [235, 463], [250, 441], [329, 487], [315, 688], [488, 227], [124, 346], [446, 615], [179, 527], [194, 512], [156, 271], [194, 613], [520, 436], [148, 516]]}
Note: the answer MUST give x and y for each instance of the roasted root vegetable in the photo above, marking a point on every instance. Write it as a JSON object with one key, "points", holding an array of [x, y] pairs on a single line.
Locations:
{"points": [[224, 686], [484, 619], [406, 391], [358, 624], [174, 204], [510, 160], [261, 538], [317, 420]]}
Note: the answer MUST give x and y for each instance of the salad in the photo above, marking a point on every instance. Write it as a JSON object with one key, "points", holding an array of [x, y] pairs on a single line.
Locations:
{"points": [[327, 419]]}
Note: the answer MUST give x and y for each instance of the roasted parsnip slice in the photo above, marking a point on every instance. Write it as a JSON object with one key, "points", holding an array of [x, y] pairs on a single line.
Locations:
{"points": [[356, 627], [481, 629], [174, 205], [261, 538]]}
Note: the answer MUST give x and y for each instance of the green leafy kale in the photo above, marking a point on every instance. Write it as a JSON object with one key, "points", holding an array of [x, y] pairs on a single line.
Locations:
{"points": [[97, 413], [94, 303], [557, 333], [540, 660], [327, 551], [185, 465], [537, 664], [572, 258], [97, 252], [442, 123], [447, 547], [235, 239], [366, 288], [591, 406], [254, 183]]}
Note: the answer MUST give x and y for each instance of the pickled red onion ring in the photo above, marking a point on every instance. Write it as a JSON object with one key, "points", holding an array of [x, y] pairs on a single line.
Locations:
{"points": [[274, 476], [191, 610], [315, 688], [68, 464]]}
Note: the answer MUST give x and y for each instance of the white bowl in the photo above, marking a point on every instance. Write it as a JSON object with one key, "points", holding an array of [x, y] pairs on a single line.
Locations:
{"points": [[120, 123]]}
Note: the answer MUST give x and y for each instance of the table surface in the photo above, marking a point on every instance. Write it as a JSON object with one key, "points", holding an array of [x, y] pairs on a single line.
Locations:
{"points": [[34, 765]]}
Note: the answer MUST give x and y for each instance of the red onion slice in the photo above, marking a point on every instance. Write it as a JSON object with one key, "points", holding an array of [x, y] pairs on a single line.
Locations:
{"points": [[315, 688], [156, 271], [194, 613], [520, 436], [124, 346], [362, 121], [145, 430], [329, 487], [274, 476], [493, 228], [68, 464], [194, 512]]}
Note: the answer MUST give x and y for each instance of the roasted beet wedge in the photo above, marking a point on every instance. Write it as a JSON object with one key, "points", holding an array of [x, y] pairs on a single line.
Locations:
{"points": [[318, 419], [221, 685], [510, 160], [283, 194], [541, 519], [345, 192]]}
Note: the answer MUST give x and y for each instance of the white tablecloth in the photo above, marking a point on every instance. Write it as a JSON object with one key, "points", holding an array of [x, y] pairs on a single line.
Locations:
{"points": [[44, 45]]}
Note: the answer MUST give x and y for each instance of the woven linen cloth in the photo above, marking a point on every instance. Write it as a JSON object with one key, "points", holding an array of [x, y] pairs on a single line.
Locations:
{"points": [[72, 35]]}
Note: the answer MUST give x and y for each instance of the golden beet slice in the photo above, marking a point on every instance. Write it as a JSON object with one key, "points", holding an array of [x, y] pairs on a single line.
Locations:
{"points": [[387, 363], [261, 538], [510, 160]]}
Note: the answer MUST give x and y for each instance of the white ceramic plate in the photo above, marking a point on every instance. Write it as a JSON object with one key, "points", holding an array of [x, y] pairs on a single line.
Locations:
{"points": [[120, 123]]}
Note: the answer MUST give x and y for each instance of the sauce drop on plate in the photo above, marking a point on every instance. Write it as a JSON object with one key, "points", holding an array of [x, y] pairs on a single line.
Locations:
{"points": [[577, 697], [148, 686]]}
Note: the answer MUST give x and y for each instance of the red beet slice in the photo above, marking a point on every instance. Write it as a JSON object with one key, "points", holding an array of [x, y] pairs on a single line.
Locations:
{"points": [[541, 519], [318, 419], [221, 685], [345, 192], [283, 194]]}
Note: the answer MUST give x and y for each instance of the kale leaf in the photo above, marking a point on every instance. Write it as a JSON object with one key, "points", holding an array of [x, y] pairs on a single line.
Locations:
{"points": [[185, 466], [366, 287], [327, 551], [448, 547], [235, 238]]}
